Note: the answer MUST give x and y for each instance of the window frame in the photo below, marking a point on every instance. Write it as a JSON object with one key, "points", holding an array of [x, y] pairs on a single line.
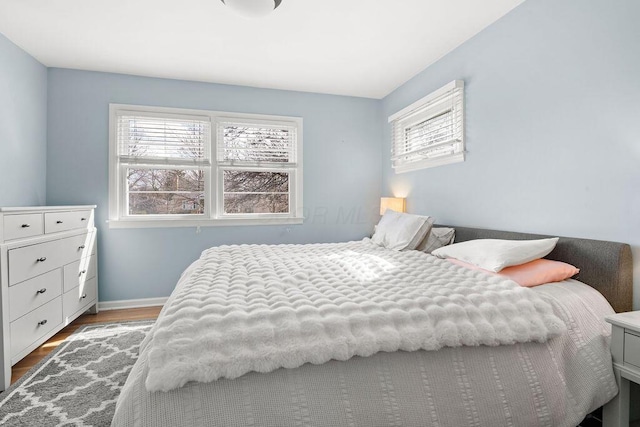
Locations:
{"points": [[213, 209], [449, 97]]}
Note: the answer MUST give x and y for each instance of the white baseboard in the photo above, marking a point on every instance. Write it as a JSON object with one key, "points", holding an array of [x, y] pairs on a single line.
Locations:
{"points": [[131, 303]]}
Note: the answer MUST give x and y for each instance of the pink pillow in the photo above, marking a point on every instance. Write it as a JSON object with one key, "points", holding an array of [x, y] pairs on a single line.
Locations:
{"points": [[533, 273]]}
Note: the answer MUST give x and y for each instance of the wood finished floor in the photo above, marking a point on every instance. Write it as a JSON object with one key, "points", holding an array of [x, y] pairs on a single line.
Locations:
{"points": [[21, 368]]}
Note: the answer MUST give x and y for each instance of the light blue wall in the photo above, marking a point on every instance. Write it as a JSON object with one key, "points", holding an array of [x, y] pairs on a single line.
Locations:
{"points": [[552, 125], [342, 177], [23, 127]]}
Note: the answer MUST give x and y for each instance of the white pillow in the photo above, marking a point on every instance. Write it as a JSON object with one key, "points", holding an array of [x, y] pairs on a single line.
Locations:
{"points": [[400, 231], [494, 255]]}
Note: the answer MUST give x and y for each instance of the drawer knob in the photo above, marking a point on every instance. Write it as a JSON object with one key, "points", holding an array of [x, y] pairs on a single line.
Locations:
{"points": [[82, 272], [26, 225], [84, 296], [58, 222], [43, 259], [81, 247], [83, 219], [42, 322], [41, 291]]}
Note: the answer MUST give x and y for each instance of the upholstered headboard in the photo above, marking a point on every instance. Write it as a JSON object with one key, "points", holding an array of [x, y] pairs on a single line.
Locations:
{"points": [[605, 266]]}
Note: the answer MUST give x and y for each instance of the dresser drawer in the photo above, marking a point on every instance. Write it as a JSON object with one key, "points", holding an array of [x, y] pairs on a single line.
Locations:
{"points": [[32, 293], [33, 326], [24, 225], [632, 350], [63, 221], [80, 298], [78, 272], [31, 261]]}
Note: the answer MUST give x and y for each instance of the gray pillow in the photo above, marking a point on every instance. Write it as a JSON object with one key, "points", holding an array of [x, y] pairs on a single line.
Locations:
{"points": [[421, 235], [400, 231], [437, 238]]}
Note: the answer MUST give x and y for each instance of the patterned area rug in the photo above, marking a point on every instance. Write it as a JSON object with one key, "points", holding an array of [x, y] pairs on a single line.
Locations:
{"points": [[79, 382]]}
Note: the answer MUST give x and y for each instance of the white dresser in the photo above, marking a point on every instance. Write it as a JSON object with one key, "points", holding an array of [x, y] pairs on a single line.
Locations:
{"points": [[48, 273]]}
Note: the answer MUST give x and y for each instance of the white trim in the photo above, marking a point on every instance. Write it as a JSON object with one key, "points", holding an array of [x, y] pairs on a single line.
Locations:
{"points": [[217, 222], [28, 209], [158, 113], [131, 303], [427, 163], [297, 184], [193, 112], [267, 121], [433, 95], [114, 190]]}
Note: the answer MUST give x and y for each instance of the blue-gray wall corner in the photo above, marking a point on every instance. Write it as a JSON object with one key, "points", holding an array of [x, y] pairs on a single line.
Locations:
{"points": [[23, 127]]}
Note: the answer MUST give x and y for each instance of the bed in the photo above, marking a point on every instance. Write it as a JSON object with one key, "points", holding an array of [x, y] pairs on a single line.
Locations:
{"points": [[551, 383]]}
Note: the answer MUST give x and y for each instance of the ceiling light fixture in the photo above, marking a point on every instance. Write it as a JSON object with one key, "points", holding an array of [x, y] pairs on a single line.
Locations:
{"points": [[252, 8]]}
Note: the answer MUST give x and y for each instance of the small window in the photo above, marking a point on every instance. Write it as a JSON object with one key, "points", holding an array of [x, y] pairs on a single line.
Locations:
{"points": [[429, 132], [169, 168]]}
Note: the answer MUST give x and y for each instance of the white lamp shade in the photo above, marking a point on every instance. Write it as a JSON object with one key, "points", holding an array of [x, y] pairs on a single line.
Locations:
{"points": [[394, 203], [252, 8]]}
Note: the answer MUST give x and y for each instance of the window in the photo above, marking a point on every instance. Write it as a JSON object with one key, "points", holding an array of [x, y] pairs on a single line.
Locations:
{"points": [[171, 167], [257, 166], [429, 132]]}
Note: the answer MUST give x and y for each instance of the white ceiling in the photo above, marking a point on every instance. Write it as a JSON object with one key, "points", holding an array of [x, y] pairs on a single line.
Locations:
{"points": [[347, 47]]}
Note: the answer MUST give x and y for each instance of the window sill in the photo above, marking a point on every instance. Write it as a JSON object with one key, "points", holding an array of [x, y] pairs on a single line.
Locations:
{"points": [[430, 163], [218, 222]]}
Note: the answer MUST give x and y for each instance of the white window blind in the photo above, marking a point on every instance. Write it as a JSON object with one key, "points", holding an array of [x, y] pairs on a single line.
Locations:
{"points": [[246, 142], [429, 132], [163, 138]]}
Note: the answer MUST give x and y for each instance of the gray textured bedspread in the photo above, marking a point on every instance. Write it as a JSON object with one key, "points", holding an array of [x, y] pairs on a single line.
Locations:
{"points": [[551, 384]]}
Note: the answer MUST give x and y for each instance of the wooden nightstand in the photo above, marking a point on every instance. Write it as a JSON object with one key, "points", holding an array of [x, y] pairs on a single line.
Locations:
{"points": [[625, 349]]}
